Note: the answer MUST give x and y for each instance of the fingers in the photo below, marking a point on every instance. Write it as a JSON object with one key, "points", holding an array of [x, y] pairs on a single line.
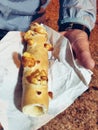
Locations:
{"points": [[86, 60], [81, 49], [80, 45], [1, 128]]}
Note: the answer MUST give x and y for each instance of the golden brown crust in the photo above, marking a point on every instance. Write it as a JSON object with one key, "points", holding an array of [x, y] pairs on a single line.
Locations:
{"points": [[35, 97]]}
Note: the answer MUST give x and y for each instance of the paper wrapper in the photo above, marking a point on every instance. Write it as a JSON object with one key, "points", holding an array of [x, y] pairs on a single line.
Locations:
{"points": [[67, 81]]}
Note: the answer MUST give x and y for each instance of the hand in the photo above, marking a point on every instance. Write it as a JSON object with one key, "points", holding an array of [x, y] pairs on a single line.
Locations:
{"points": [[80, 45]]}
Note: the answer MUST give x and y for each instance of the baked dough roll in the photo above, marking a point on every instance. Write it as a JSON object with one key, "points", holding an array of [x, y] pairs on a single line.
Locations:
{"points": [[35, 97]]}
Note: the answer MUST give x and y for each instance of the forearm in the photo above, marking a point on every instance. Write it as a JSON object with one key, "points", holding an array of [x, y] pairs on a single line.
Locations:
{"points": [[78, 11]]}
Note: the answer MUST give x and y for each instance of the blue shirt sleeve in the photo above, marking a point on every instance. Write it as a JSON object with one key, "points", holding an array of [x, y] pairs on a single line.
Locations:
{"points": [[78, 11], [18, 14]]}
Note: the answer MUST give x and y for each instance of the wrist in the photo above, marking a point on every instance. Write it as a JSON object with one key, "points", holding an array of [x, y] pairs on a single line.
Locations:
{"points": [[76, 38], [75, 34]]}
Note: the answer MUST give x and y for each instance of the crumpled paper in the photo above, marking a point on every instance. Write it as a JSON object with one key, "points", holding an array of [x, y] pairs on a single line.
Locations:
{"points": [[67, 81]]}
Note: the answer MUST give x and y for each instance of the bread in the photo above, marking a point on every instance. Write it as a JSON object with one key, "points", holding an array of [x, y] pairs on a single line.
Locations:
{"points": [[35, 96]]}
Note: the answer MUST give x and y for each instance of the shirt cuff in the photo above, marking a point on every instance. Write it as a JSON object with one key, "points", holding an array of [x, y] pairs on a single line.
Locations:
{"points": [[84, 22]]}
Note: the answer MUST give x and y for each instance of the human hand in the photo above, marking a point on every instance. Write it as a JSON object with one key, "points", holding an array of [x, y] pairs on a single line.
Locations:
{"points": [[80, 45]]}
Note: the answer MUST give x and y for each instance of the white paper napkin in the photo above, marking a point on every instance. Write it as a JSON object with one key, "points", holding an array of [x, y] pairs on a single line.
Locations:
{"points": [[67, 81]]}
